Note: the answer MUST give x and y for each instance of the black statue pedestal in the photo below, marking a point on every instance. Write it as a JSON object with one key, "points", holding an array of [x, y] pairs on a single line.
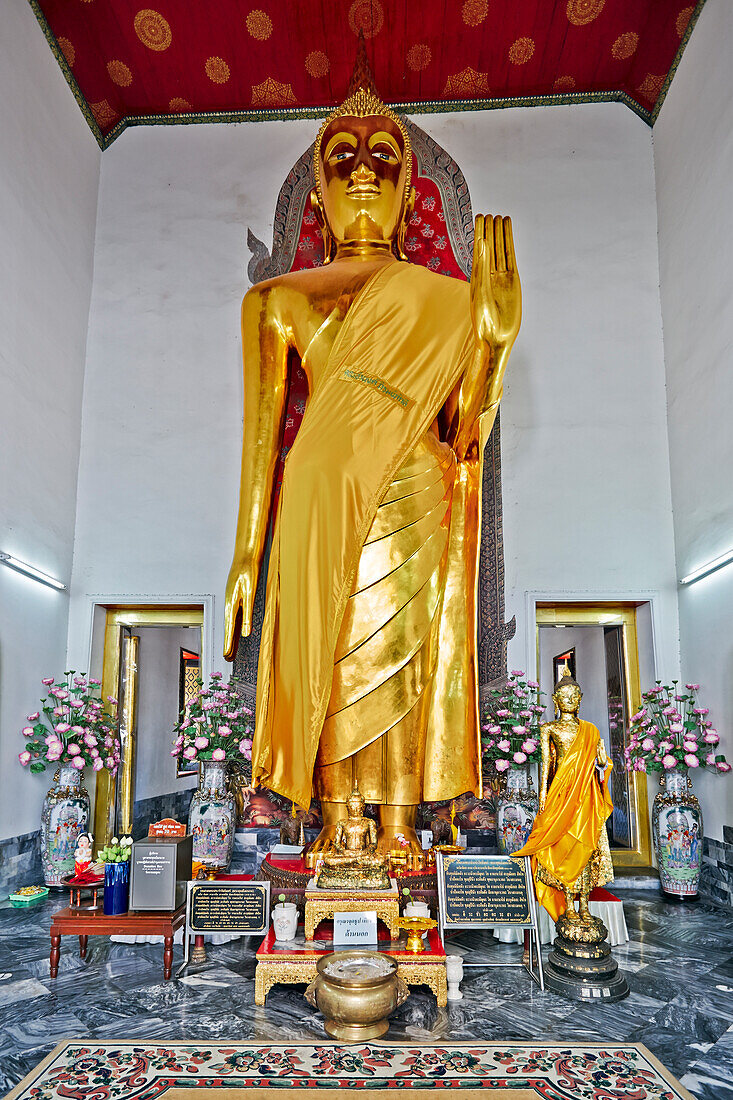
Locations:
{"points": [[580, 964]]}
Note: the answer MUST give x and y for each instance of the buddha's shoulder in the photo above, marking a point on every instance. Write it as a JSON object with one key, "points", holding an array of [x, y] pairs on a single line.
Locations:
{"points": [[434, 280]]}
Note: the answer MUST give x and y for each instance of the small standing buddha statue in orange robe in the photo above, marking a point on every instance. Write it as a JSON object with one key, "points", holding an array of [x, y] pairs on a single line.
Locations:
{"points": [[568, 843]]}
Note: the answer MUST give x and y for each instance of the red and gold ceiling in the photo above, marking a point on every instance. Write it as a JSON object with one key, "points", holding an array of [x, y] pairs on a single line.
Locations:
{"points": [[225, 60]]}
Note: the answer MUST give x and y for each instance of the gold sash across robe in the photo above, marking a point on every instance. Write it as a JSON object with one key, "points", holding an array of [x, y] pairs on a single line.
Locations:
{"points": [[567, 832], [405, 342]]}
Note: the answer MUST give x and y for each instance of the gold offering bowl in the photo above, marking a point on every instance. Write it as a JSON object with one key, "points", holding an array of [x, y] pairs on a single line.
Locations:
{"points": [[415, 926], [356, 991]]}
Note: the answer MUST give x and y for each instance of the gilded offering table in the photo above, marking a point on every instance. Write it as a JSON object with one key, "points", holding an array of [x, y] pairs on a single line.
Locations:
{"points": [[322, 904], [296, 962]]}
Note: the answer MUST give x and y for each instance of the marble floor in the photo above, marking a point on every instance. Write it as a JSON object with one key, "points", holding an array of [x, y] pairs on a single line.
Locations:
{"points": [[679, 964]]}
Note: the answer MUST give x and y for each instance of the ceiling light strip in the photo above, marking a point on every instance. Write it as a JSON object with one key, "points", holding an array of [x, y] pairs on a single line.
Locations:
{"points": [[30, 571], [710, 567]]}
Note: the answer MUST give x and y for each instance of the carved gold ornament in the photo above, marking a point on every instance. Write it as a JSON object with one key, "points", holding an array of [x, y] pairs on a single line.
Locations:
{"points": [[152, 29], [67, 49], [271, 93], [682, 20], [259, 24], [651, 86], [419, 56], [119, 73], [217, 70], [521, 51], [474, 12], [317, 64], [625, 45], [103, 113], [366, 16], [467, 84], [581, 12]]}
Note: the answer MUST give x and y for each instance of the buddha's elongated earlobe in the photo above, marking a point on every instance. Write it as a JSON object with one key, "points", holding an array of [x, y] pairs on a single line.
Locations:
{"points": [[329, 245], [402, 231]]}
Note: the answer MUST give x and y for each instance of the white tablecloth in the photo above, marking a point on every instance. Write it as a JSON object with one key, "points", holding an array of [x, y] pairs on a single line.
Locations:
{"points": [[210, 937], [610, 912]]}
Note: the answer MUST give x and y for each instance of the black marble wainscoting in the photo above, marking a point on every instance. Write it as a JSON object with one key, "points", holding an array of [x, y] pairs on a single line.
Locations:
{"points": [[716, 880], [147, 810], [20, 862], [678, 962]]}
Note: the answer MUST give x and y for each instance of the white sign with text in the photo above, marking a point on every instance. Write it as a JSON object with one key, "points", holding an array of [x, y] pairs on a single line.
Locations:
{"points": [[354, 928]]}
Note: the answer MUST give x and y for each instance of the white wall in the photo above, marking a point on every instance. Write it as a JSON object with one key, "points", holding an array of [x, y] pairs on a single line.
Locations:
{"points": [[584, 405], [693, 155], [159, 655], [49, 170]]}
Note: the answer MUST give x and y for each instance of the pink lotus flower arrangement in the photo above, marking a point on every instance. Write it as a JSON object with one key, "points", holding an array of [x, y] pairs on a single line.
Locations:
{"points": [[74, 729], [670, 730], [214, 726], [510, 731]]}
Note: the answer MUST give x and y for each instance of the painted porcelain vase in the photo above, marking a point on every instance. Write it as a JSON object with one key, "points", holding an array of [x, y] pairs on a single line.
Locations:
{"points": [[116, 888], [64, 816], [515, 811], [677, 828], [212, 817]]}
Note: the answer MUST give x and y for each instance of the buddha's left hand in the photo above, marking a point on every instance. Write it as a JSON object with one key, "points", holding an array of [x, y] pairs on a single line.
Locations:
{"points": [[496, 293]]}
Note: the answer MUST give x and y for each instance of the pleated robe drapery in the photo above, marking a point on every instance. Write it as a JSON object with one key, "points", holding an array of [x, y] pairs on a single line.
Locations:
{"points": [[567, 831], [404, 344]]}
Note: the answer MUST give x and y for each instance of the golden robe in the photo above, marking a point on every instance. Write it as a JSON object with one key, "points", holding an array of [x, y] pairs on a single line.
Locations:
{"points": [[370, 614], [569, 830]]}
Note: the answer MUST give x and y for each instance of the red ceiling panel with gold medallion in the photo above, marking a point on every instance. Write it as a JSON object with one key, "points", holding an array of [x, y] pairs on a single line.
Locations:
{"points": [[225, 59]]}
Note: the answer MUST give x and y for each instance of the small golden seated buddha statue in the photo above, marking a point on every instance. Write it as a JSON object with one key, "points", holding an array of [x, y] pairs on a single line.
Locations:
{"points": [[352, 861]]}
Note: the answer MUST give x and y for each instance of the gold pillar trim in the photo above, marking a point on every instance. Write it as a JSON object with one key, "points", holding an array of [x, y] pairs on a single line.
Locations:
{"points": [[133, 616], [127, 730], [623, 615]]}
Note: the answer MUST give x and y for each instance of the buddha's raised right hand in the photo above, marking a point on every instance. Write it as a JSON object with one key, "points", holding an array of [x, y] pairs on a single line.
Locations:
{"points": [[238, 602]]}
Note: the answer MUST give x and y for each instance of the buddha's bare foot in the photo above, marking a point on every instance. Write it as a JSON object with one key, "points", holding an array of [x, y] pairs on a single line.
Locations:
{"points": [[396, 830], [570, 911], [389, 839], [320, 846]]}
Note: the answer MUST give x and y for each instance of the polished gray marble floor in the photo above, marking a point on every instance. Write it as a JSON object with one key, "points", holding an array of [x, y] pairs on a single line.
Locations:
{"points": [[679, 964]]}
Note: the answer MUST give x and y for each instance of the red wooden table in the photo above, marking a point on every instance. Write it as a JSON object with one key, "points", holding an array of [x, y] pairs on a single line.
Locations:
{"points": [[68, 922]]}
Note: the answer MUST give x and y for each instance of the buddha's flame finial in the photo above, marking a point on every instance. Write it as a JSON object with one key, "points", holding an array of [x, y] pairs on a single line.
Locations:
{"points": [[362, 76]]}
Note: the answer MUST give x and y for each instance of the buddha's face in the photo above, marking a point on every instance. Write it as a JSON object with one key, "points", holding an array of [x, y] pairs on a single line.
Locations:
{"points": [[362, 173], [568, 698], [355, 806]]}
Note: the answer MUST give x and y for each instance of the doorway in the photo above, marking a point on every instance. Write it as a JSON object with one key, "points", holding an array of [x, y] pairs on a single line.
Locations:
{"points": [[150, 657], [599, 644]]}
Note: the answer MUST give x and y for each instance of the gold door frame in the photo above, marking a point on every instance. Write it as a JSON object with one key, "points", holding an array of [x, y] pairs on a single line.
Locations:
{"points": [[134, 616], [623, 615]]}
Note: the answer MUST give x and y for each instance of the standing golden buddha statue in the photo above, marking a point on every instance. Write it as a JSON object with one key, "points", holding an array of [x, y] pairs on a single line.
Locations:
{"points": [[568, 842], [367, 669], [570, 852]]}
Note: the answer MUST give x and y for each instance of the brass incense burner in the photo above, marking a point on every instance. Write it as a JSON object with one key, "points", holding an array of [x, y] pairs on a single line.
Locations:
{"points": [[356, 991], [415, 926]]}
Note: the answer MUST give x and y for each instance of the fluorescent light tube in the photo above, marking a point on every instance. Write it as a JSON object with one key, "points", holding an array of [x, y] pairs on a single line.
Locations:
{"points": [[709, 567], [30, 571]]}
